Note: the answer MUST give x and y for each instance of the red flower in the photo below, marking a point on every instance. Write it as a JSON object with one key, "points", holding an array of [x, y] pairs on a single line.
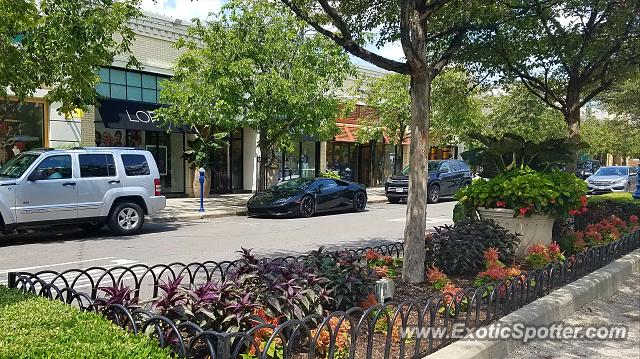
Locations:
{"points": [[584, 200], [388, 260], [491, 255], [537, 249], [524, 210], [501, 204], [434, 274], [554, 248], [573, 212], [633, 219], [372, 255]]}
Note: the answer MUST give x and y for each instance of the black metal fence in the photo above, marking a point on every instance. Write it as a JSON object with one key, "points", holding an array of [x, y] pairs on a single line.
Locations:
{"points": [[376, 332]]}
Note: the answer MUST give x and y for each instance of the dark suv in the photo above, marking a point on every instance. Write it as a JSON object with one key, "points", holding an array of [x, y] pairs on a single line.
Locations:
{"points": [[446, 177]]}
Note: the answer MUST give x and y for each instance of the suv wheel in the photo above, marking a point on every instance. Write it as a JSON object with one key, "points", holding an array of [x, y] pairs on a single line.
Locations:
{"points": [[126, 218], [434, 194]]}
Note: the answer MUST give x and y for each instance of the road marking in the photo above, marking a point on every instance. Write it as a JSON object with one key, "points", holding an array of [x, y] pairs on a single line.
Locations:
{"points": [[54, 265]]}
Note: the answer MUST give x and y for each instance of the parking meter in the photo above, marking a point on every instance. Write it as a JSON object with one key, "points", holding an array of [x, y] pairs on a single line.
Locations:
{"points": [[201, 179]]}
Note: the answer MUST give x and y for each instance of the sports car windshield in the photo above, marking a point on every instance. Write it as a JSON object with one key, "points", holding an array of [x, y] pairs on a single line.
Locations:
{"points": [[298, 183], [612, 171], [16, 166]]}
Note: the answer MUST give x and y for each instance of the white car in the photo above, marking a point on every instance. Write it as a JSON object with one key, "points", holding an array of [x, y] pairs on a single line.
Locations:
{"points": [[89, 187]]}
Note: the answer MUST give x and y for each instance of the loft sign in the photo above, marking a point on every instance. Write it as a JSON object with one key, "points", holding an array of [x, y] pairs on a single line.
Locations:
{"points": [[141, 116]]}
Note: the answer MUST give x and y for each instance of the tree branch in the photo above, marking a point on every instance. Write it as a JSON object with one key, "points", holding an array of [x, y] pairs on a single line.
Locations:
{"points": [[348, 44]]}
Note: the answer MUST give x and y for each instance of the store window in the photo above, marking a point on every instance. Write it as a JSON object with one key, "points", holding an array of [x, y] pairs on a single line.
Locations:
{"points": [[21, 127], [129, 85], [342, 158], [167, 150]]}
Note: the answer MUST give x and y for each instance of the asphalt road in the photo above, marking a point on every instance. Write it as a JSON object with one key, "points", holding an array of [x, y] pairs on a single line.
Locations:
{"points": [[211, 239]]}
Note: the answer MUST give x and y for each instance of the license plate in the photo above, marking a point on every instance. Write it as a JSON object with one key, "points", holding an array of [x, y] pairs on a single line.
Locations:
{"points": [[399, 189]]}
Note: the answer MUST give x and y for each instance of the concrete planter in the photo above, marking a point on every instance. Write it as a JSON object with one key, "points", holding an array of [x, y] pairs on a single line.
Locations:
{"points": [[534, 229]]}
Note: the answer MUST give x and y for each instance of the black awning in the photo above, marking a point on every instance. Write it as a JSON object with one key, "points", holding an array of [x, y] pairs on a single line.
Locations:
{"points": [[131, 115]]}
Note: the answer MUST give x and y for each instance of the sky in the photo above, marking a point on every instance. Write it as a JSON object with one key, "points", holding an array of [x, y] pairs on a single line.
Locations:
{"points": [[188, 9]]}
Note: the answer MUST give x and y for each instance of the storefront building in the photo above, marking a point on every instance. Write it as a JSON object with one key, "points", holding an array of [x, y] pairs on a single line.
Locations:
{"points": [[124, 115]]}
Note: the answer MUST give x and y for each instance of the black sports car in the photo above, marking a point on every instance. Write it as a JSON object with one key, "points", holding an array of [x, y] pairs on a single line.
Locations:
{"points": [[306, 196]]}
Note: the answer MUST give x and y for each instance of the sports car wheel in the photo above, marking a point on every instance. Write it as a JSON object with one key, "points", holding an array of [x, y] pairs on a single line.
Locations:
{"points": [[360, 202], [307, 207], [434, 194]]}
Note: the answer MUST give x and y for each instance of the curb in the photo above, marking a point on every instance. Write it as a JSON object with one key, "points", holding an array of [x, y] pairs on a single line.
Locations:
{"points": [[216, 214], [554, 307]]}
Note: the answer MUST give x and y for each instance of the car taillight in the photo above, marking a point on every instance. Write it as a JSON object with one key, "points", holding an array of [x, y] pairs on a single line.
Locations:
{"points": [[156, 182]]}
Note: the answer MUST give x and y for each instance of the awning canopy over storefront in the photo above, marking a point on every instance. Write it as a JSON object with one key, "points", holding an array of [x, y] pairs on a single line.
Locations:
{"points": [[349, 133], [131, 115]]}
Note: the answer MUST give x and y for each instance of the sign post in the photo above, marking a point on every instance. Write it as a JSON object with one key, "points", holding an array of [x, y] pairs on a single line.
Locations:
{"points": [[201, 179]]}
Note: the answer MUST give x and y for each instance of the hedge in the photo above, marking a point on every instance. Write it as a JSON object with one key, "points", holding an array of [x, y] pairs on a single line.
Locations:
{"points": [[36, 327]]}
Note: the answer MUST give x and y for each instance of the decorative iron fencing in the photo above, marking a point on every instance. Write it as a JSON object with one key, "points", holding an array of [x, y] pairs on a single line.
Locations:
{"points": [[377, 332]]}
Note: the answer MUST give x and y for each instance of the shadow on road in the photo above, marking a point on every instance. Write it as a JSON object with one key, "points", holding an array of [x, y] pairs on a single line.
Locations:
{"points": [[58, 235]]}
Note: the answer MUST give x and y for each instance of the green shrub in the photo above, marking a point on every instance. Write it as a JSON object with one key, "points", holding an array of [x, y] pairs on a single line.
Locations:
{"points": [[459, 249], [36, 327], [621, 205], [527, 192]]}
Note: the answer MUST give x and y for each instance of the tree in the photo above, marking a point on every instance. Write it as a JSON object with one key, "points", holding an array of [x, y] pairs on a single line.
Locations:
{"points": [[618, 136], [389, 96], [454, 109], [431, 34], [516, 110], [60, 44], [568, 52], [255, 66], [623, 99]]}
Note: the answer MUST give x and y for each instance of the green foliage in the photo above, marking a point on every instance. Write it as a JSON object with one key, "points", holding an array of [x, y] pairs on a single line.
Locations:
{"points": [[521, 113], [330, 174], [201, 149], [499, 155], [459, 249], [454, 107], [255, 66], [36, 327], [624, 98], [527, 192], [617, 136], [60, 44]]}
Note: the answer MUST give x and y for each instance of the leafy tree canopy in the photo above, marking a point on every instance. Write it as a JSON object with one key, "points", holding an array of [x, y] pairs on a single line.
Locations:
{"points": [[60, 44], [516, 110], [617, 136], [256, 66], [624, 98]]}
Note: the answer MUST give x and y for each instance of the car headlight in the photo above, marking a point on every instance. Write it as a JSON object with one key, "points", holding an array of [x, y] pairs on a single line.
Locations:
{"points": [[621, 181], [283, 200]]}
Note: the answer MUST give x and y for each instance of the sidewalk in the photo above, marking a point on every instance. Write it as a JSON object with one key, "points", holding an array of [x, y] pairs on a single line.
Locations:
{"points": [[223, 205]]}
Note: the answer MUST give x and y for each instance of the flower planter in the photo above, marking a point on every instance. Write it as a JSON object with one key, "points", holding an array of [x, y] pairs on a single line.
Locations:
{"points": [[534, 229]]}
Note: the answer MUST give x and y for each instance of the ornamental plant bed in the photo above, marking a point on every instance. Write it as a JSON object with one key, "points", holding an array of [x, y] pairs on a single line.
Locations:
{"points": [[320, 305]]}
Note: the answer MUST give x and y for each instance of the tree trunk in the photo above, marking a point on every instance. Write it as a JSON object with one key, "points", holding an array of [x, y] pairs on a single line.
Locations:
{"points": [[572, 119], [413, 270], [267, 174]]}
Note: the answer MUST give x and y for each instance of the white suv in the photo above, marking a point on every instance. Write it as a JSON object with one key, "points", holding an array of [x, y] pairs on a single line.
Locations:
{"points": [[90, 187]]}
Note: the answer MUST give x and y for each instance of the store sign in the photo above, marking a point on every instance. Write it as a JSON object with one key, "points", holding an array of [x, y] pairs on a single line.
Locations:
{"points": [[130, 115], [141, 116]]}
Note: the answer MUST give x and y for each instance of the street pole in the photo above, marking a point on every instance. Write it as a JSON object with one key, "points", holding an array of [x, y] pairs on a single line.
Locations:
{"points": [[201, 179]]}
